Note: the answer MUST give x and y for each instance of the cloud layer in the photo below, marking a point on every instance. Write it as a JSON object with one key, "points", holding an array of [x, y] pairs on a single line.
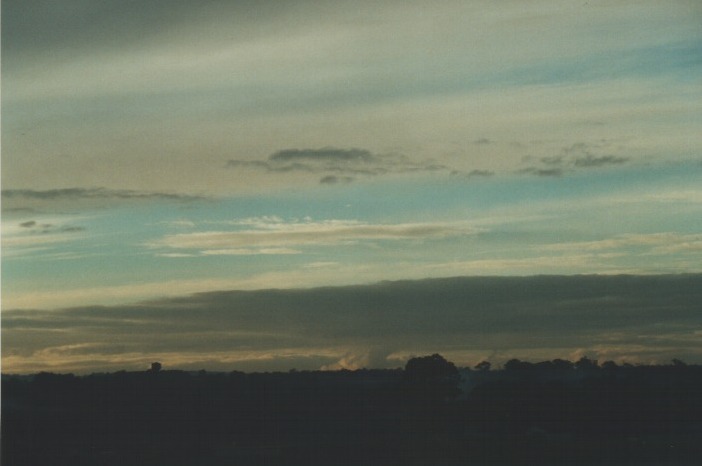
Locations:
{"points": [[634, 318], [426, 139], [158, 96]]}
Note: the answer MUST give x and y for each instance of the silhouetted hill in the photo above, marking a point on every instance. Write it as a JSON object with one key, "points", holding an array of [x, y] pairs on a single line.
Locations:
{"points": [[549, 412]]}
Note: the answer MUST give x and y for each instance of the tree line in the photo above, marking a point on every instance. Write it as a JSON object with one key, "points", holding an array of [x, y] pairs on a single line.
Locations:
{"points": [[430, 412]]}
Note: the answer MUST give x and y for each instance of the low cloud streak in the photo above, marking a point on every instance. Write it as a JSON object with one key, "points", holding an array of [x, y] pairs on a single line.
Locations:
{"points": [[53, 200], [339, 165], [332, 232]]}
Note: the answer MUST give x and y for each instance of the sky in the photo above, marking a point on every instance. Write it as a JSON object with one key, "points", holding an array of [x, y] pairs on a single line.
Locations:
{"points": [[262, 185]]}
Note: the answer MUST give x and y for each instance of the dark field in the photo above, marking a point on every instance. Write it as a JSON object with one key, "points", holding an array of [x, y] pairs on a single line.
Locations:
{"points": [[555, 412]]}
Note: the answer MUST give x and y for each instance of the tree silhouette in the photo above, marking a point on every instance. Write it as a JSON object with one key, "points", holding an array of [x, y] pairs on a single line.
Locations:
{"points": [[432, 377], [483, 366]]}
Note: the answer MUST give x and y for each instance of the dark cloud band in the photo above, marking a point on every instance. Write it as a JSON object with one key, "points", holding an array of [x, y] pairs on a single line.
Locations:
{"points": [[339, 165], [90, 193], [620, 316], [327, 154]]}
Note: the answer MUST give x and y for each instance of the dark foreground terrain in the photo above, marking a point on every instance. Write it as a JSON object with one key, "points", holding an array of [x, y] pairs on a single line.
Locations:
{"points": [[554, 412]]}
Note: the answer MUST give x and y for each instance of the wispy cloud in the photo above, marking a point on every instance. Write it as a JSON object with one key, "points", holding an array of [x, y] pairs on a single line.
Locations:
{"points": [[333, 179], [33, 227], [588, 155], [25, 238], [577, 156], [590, 160], [546, 172], [249, 252], [91, 193], [480, 173], [9, 243], [31, 200], [278, 237], [654, 243], [325, 155], [689, 196], [548, 264]]}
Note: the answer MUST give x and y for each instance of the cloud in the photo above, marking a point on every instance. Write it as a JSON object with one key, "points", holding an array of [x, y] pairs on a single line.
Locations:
{"points": [[690, 196], [31, 236], [47, 228], [92, 193], [21, 245], [583, 155], [545, 172], [31, 200], [651, 243], [181, 223], [328, 154], [480, 173], [553, 160], [339, 164], [576, 156], [376, 358], [275, 235], [362, 325], [79, 26], [249, 252], [333, 179], [590, 160], [400, 81]]}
